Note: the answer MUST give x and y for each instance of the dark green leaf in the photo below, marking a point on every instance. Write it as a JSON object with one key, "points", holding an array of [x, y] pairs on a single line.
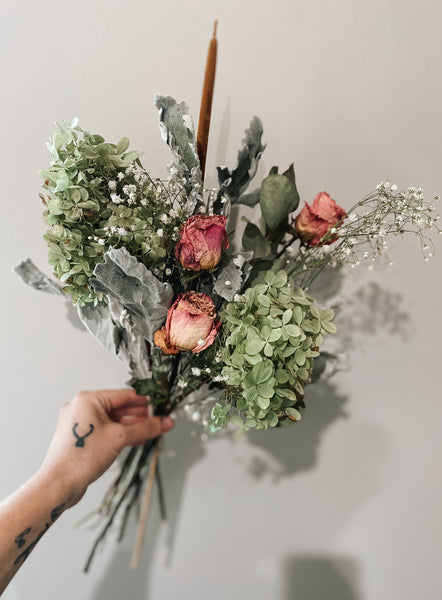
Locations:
{"points": [[278, 199], [253, 240]]}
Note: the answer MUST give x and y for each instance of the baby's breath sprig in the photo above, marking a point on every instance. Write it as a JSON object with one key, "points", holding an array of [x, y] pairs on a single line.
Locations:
{"points": [[363, 233]]}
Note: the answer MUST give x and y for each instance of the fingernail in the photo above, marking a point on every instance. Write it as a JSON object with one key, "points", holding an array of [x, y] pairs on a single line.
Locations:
{"points": [[128, 417], [167, 423]]}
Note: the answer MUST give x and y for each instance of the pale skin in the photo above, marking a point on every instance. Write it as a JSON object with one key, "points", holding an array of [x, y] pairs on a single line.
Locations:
{"points": [[91, 432]]}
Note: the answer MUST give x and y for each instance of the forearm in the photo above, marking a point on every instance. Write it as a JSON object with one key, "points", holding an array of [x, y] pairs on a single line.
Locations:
{"points": [[91, 432], [24, 519]]}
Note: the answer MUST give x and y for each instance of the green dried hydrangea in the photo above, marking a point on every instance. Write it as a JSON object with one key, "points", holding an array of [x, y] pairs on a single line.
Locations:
{"points": [[98, 196], [271, 336]]}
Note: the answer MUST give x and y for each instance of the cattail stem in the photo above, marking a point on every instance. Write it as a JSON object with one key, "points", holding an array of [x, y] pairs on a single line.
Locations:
{"points": [[206, 102]]}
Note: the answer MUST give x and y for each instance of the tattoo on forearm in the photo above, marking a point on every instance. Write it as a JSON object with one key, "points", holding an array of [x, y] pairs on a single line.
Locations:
{"points": [[24, 555], [80, 438], [55, 513], [20, 539]]}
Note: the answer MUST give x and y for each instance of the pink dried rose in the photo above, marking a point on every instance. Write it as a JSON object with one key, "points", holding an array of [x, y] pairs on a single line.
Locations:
{"points": [[190, 324], [314, 221], [203, 240]]}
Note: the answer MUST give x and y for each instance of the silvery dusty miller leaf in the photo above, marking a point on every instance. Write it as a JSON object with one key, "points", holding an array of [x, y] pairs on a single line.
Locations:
{"points": [[145, 298], [234, 271], [177, 131], [98, 321], [32, 275], [114, 338], [234, 183]]}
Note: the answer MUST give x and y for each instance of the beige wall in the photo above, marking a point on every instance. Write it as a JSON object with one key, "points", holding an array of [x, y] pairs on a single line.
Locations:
{"points": [[346, 506]]}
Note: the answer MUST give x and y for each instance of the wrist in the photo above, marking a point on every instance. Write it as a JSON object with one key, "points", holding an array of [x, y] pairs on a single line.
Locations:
{"points": [[58, 487]]}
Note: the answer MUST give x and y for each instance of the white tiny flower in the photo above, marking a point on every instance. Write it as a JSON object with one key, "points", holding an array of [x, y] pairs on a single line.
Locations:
{"points": [[120, 176], [164, 219], [195, 371], [101, 241], [201, 342], [112, 185], [160, 232], [168, 272], [207, 370], [121, 231], [173, 171], [228, 282]]}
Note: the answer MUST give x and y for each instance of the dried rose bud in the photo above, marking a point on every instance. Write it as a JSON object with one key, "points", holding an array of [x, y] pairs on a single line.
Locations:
{"points": [[314, 221], [203, 240], [190, 324]]}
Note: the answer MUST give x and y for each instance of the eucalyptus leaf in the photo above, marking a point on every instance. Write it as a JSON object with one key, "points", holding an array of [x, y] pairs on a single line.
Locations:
{"points": [[254, 241], [278, 199]]}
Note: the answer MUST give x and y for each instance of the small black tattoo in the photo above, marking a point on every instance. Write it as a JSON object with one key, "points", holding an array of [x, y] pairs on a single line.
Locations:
{"points": [[80, 439], [20, 539], [24, 555], [56, 512]]}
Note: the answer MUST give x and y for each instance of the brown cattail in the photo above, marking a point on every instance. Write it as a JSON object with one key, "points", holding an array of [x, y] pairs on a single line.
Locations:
{"points": [[206, 102]]}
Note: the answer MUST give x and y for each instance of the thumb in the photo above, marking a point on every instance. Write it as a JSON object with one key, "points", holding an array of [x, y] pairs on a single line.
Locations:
{"points": [[141, 430]]}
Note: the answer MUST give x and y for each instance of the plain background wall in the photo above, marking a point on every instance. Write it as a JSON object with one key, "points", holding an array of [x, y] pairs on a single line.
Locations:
{"points": [[346, 505]]}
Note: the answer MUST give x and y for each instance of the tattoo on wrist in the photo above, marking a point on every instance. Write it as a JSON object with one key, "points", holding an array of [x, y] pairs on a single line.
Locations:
{"points": [[55, 513], [20, 539], [80, 438]]}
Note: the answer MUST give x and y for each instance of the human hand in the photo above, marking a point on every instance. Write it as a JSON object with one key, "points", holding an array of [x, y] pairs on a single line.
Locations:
{"points": [[91, 432]]}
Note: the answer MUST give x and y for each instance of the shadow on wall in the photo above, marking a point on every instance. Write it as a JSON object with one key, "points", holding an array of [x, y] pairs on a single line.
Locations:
{"points": [[372, 310], [321, 577], [119, 581], [295, 449]]}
